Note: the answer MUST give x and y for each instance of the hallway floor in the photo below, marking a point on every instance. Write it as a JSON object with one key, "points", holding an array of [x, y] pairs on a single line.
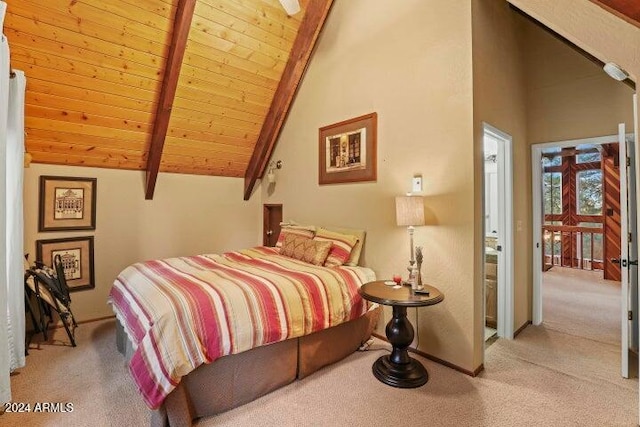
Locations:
{"points": [[581, 303]]}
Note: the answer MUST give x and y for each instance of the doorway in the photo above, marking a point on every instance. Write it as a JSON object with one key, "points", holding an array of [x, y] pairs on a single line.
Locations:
{"points": [[552, 179], [582, 194], [271, 219], [498, 232]]}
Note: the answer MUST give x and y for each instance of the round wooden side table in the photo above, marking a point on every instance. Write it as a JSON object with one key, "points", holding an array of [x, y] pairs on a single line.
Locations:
{"points": [[398, 369]]}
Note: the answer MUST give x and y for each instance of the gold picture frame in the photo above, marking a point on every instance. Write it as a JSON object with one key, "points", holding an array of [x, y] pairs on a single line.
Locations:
{"points": [[77, 259], [348, 151], [67, 203]]}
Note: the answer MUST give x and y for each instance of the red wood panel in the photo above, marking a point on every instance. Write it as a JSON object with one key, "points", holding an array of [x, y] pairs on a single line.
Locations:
{"points": [[611, 207], [568, 232], [568, 207]]}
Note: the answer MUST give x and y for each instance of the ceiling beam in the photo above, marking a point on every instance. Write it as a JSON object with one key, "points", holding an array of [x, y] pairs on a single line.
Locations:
{"points": [[310, 27], [181, 25]]}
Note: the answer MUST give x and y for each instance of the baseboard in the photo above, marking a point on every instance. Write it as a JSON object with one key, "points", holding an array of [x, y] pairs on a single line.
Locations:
{"points": [[473, 373], [113, 316], [58, 324], [521, 328]]}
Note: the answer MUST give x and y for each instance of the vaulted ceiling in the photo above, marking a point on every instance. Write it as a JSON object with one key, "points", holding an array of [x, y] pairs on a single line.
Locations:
{"points": [[188, 86], [107, 80], [629, 10]]}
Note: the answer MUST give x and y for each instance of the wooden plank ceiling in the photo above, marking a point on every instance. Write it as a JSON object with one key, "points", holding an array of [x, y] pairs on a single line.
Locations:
{"points": [[95, 72]]}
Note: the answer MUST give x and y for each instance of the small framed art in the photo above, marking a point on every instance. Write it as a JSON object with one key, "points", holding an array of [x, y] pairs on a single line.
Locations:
{"points": [[347, 151], [76, 254], [67, 203]]}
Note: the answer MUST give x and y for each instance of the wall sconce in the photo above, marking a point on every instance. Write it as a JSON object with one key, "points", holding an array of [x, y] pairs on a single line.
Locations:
{"points": [[290, 6], [271, 173], [27, 159]]}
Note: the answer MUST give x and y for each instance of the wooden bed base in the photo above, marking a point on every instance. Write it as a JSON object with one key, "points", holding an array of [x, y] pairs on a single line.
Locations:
{"points": [[237, 379]]}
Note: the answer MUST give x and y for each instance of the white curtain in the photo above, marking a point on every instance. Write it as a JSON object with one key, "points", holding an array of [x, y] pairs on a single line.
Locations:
{"points": [[15, 219], [5, 369], [12, 325]]}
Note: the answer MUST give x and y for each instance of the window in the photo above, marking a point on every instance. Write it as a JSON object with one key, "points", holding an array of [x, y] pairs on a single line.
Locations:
{"points": [[552, 193], [588, 157], [589, 192], [551, 157], [552, 245]]}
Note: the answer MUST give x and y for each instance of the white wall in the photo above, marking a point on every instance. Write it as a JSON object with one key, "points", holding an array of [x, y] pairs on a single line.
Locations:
{"points": [[569, 96], [410, 62], [189, 214], [499, 99]]}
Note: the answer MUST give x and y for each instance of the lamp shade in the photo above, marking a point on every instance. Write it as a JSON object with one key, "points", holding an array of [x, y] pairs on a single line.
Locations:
{"points": [[409, 210]]}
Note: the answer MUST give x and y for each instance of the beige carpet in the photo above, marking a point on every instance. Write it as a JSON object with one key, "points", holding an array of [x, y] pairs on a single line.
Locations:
{"points": [[92, 376], [544, 378], [581, 303]]}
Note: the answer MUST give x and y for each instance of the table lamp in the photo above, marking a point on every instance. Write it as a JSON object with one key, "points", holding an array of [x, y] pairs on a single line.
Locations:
{"points": [[410, 213]]}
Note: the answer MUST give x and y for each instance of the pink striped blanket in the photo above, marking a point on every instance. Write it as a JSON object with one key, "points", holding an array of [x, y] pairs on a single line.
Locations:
{"points": [[182, 312]]}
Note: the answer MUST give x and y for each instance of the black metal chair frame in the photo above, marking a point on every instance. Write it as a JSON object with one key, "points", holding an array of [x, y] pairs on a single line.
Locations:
{"points": [[60, 301]]}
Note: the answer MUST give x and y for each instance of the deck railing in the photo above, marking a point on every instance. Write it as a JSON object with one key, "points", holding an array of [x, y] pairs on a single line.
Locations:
{"points": [[572, 246]]}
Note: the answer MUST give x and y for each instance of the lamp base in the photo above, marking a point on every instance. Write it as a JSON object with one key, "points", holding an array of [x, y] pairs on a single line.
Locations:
{"points": [[410, 270]]}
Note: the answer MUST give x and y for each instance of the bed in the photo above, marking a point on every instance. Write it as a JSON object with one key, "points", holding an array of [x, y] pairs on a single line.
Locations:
{"points": [[207, 333]]}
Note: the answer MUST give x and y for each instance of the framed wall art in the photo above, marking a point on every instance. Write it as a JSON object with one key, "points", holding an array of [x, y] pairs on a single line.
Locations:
{"points": [[347, 151], [67, 203], [76, 254]]}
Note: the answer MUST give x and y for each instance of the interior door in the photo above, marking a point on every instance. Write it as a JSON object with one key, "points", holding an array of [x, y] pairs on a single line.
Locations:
{"points": [[628, 252], [271, 217]]}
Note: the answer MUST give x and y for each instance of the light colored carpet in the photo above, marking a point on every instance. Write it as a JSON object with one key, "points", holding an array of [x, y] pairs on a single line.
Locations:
{"points": [[92, 376], [544, 378], [581, 303]]}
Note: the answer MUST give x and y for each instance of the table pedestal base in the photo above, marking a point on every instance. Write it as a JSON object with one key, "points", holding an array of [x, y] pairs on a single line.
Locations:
{"points": [[406, 375], [398, 369]]}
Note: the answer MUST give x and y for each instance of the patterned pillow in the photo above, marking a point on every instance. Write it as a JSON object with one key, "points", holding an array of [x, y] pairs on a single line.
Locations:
{"points": [[341, 246], [354, 259], [305, 249], [298, 230]]}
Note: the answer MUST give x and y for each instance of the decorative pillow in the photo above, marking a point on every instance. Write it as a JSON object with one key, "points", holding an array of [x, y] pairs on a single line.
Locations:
{"points": [[341, 246], [354, 259], [298, 230], [305, 249]]}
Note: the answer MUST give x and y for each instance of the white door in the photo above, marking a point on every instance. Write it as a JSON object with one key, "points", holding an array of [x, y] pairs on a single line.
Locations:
{"points": [[505, 222], [628, 253]]}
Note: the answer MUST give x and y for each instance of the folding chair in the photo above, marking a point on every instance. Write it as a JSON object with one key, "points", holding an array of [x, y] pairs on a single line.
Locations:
{"points": [[29, 309], [52, 292]]}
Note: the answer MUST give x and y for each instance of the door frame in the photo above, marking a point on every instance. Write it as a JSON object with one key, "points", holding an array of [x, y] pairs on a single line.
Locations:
{"points": [[536, 229], [629, 277], [636, 142], [505, 223]]}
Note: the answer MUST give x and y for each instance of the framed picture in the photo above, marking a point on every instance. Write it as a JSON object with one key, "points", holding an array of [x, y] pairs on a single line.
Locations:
{"points": [[77, 259], [67, 203], [348, 151]]}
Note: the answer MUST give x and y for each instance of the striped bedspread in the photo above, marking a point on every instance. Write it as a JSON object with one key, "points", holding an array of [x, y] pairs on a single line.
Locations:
{"points": [[182, 312]]}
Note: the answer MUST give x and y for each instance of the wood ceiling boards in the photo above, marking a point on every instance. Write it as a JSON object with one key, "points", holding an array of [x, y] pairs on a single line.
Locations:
{"points": [[317, 13], [95, 72]]}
